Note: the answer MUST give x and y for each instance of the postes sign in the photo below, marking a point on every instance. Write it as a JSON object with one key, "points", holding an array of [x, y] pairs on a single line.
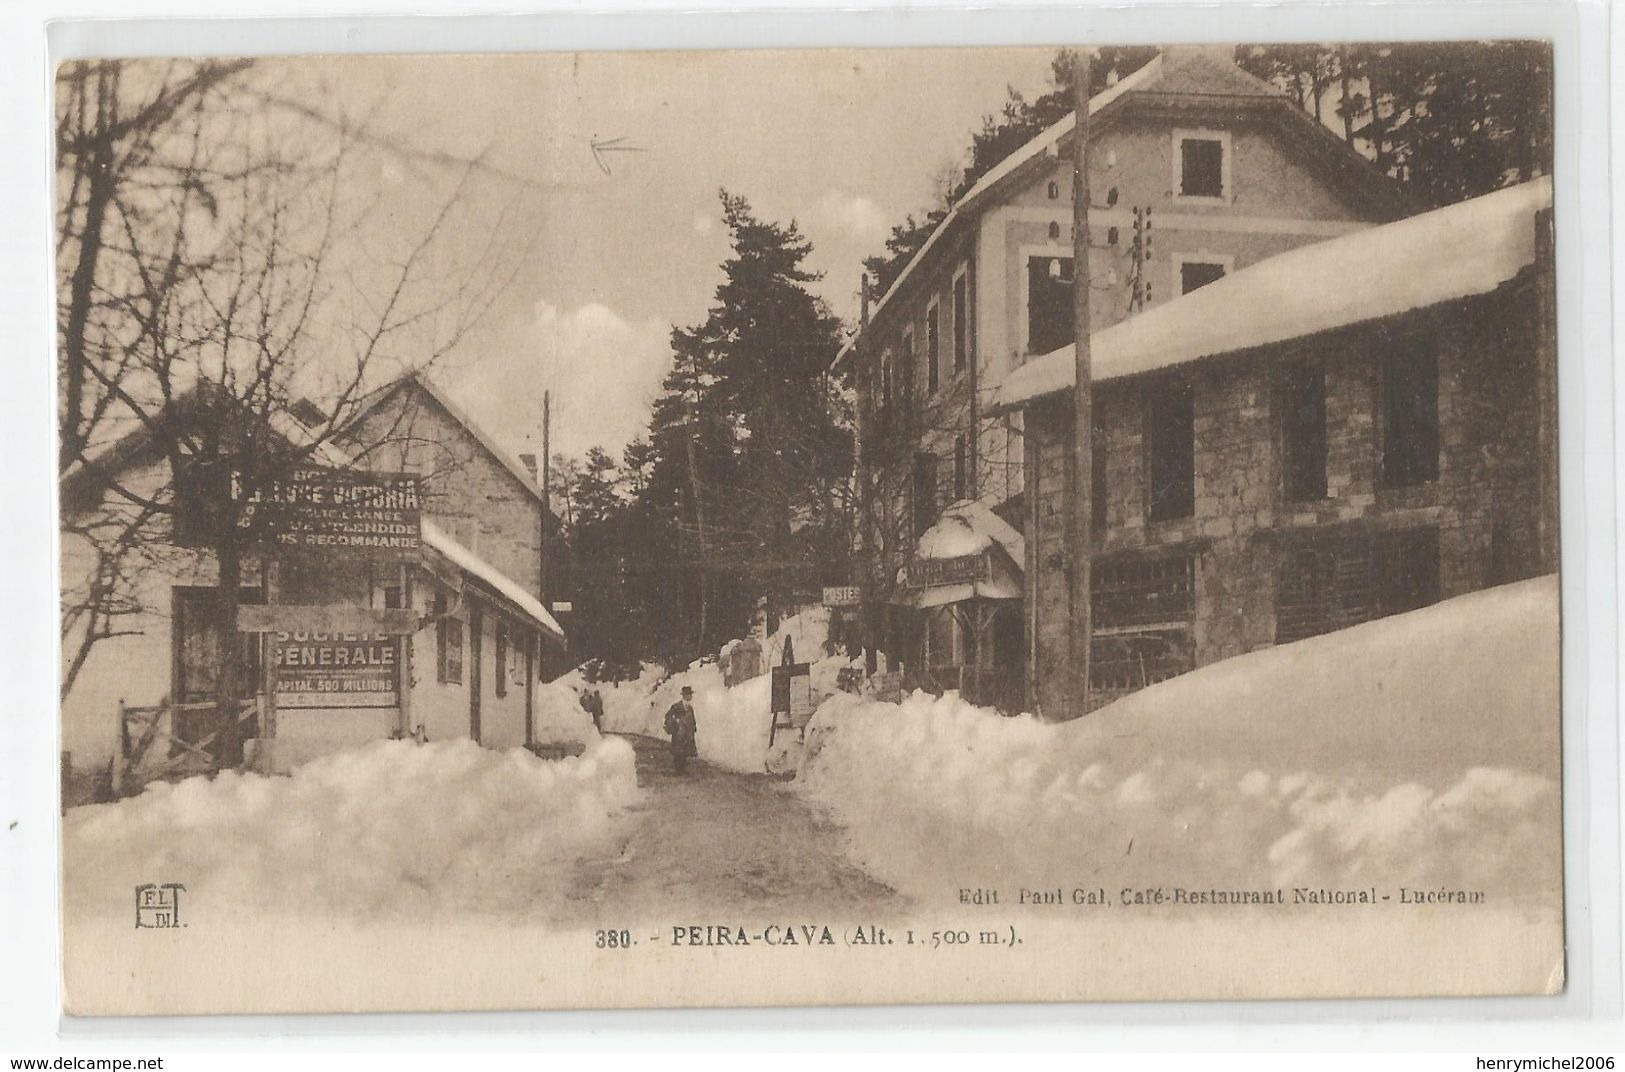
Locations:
{"points": [[338, 510], [337, 670]]}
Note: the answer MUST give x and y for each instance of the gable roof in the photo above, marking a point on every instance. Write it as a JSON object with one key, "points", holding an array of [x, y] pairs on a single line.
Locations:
{"points": [[1200, 70], [1034, 148], [90, 476], [1192, 75], [518, 470], [1450, 253]]}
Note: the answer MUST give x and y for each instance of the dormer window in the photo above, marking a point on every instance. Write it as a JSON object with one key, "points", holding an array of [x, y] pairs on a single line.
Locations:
{"points": [[1202, 164]]}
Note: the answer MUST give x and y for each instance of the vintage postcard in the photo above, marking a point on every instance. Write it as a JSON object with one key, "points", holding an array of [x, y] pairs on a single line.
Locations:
{"points": [[808, 527]]}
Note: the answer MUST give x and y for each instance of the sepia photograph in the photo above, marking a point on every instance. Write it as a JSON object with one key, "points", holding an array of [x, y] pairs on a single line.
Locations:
{"points": [[580, 530]]}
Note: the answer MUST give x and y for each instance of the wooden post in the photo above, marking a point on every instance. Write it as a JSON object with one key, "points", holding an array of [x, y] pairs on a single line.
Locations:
{"points": [[403, 661], [547, 505], [1082, 453], [268, 673], [866, 498]]}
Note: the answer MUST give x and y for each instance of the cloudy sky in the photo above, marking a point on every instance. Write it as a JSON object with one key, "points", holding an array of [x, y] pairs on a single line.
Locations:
{"points": [[844, 142]]}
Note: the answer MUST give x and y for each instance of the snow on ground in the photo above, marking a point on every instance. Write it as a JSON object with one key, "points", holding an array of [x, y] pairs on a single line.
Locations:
{"points": [[733, 723], [1418, 751], [392, 827], [560, 718]]}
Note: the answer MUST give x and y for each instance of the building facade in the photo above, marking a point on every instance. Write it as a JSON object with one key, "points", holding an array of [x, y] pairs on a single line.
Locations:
{"points": [[1357, 429], [466, 665], [1198, 171]]}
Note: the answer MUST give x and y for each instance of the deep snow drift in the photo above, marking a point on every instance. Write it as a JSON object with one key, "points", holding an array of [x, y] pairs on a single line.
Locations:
{"points": [[1418, 751], [733, 723], [391, 827], [560, 719]]}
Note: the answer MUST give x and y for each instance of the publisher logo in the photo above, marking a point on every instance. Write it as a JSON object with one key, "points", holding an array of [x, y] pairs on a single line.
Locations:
{"points": [[158, 906]]}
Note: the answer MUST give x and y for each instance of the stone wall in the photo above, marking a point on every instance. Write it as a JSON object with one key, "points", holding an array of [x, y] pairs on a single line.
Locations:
{"points": [[469, 493], [1485, 503]]}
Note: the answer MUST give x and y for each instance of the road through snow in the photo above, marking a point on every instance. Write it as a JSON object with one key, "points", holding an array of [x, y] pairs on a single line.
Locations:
{"points": [[717, 845]]}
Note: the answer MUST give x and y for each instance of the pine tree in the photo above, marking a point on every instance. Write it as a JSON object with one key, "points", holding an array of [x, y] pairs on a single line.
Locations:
{"points": [[747, 452]]}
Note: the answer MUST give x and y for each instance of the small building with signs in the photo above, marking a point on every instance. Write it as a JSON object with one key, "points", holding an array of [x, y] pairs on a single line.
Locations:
{"points": [[401, 596], [965, 582]]}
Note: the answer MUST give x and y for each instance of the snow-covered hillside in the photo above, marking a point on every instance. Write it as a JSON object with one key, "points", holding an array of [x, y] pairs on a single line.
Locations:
{"points": [[1421, 750], [391, 828]]}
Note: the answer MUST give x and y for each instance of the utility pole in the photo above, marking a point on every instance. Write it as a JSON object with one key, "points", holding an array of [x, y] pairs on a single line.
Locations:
{"points": [[866, 499], [547, 493], [1080, 517], [699, 517], [547, 510]]}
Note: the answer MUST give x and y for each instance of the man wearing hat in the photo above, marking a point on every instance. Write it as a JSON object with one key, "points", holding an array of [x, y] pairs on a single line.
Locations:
{"points": [[682, 727]]}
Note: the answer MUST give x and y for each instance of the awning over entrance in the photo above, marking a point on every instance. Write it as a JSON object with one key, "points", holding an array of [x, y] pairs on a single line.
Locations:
{"points": [[491, 578], [969, 553]]}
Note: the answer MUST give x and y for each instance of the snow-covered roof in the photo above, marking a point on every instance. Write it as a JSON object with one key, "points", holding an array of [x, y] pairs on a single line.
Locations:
{"points": [[968, 527], [1042, 143], [475, 566], [1439, 256]]}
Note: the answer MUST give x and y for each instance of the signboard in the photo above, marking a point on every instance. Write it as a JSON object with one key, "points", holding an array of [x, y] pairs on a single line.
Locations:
{"points": [[792, 702], [337, 510], [964, 569], [845, 595], [563, 606], [287, 618], [319, 669], [888, 686], [783, 677]]}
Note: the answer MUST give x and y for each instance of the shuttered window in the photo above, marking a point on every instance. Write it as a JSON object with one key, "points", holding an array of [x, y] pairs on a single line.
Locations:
{"points": [[1410, 416], [925, 492], [1049, 303], [448, 636], [933, 348], [1201, 167], [1170, 436], [1142, 608], [961, 326], [1303, 432], [1324, 584]]}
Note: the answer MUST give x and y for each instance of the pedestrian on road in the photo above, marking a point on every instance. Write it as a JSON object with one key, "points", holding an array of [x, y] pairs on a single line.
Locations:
{"points": [[594, 702], [681, 726]]}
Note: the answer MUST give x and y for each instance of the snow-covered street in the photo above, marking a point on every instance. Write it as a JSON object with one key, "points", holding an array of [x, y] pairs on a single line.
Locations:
{"points": [[721, 844]]}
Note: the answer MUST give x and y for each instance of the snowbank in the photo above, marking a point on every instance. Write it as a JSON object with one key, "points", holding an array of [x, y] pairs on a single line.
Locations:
{"points": [[808, 627], [560, 718], [626, 703], [733, 724], [1418, 751], [392, 827]]}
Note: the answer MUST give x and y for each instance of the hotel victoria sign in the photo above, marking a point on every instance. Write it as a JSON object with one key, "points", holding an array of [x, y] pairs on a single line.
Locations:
{"points": [[339, 510]]}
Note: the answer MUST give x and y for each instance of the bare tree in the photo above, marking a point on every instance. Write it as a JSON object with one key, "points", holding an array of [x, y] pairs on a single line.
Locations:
{"points": [[222, 262]]}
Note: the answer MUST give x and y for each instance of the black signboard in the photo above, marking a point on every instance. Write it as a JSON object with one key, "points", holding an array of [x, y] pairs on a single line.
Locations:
{"points": [[963, 569], [338, 510], [336, 670]]}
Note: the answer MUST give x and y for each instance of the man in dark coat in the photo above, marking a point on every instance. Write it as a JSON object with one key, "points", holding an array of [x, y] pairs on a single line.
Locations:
{"points": [[682, 727]]}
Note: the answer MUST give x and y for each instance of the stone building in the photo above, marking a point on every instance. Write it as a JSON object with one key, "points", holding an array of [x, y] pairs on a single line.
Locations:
{"points": [[466, 666], [1351, 430], [1199, 170]]}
